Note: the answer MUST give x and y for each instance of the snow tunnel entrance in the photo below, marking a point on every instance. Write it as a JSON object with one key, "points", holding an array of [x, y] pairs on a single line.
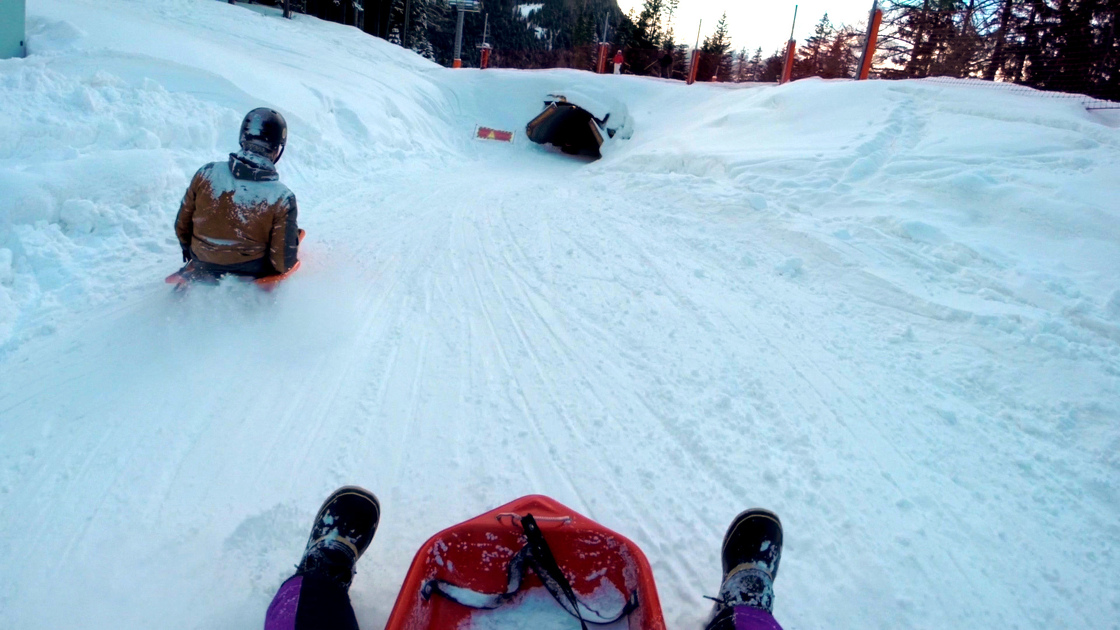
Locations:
{"points": [[571, 128]]}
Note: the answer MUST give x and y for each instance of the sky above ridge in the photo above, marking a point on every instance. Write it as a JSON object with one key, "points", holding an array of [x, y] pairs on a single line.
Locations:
{"points": [[755, 23]]}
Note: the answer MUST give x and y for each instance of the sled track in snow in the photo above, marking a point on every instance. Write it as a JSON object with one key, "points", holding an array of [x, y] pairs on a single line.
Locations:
{"points": [[828, 321]]}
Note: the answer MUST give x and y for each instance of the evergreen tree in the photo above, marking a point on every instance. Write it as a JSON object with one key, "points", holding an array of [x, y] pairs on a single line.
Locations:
{"points": [[648, 29], [668, 42], [1069, 45], [418, 29], [938, 37], [417, 38], [1000, 37], [1072, 46], [756, 65], [741, 66], [715, 62], [771, 69], [810, 59], [671, 8], [839, 60]]}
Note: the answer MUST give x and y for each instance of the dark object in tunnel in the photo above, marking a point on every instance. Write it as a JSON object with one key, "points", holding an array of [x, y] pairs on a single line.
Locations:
{"points": [[567, 126]]}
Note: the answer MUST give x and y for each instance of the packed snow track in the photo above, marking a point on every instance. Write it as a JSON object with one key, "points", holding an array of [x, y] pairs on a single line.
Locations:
{"points": [[886, 310]]}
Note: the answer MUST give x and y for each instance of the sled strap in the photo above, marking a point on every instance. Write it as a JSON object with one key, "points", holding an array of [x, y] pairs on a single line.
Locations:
{"points": [[474, 599], [544, 564], [538, 556]]}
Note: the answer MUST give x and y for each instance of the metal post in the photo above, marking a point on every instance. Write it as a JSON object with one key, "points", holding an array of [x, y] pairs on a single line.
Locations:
{"points": [[870, 41], [604, 45], [288, 9], [791, 49], [458, 62], [787, 65]]}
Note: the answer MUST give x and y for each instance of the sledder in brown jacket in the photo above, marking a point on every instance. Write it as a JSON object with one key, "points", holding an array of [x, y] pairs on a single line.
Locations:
{"points": [[237, 218]]}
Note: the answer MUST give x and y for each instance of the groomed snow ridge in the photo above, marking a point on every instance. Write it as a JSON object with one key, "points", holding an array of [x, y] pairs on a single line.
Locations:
{"points": [[888, 311]]}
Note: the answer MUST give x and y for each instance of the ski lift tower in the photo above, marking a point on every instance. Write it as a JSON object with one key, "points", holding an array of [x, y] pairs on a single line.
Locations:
{"points": [[463, 6], [13, 31]]}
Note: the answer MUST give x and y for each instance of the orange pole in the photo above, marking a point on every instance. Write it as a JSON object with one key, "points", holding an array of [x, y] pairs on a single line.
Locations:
{"points": [[485, 62], [604, 50], [869, 49], [787, 67], [694, 68], [458, 63]]}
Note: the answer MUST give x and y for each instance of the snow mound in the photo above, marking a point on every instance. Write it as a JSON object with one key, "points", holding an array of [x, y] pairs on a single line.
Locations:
{"points": [[101, 126], [886, 310]]}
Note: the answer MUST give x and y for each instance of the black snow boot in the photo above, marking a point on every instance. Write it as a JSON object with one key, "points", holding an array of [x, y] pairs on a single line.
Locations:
{"points": [[341, 533], [752, 549]]}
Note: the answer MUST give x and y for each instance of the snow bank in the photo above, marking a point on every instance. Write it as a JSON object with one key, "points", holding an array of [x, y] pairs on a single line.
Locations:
{"points": [[887, 310], [1009, 192], [103, 124]]}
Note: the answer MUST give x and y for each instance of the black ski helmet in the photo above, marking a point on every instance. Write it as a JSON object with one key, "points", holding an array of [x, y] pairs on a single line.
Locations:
{"points": [[264, 131]]}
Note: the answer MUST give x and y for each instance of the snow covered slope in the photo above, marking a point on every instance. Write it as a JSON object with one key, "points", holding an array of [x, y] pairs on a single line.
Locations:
{"points": [[887, 310]]}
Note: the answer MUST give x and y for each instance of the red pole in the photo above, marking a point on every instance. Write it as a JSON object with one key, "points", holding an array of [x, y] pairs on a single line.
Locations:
{"points": [[791, 47], [485, 61], [604, 50], [694, 68], [787, 67], [869, 49]]}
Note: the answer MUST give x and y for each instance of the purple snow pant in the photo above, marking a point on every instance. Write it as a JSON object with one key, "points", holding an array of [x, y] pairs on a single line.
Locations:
{"points": [[308, 602], [743, 618]]}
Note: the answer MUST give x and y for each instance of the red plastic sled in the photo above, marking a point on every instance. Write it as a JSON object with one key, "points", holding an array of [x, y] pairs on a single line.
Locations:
{"points": [[183, 278], [475, 556]]}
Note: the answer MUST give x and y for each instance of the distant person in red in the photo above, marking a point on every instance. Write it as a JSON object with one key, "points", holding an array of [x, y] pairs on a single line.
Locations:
{"points": [[618, 60]]}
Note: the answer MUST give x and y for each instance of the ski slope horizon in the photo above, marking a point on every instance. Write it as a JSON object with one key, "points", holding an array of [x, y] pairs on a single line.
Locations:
{"points": [[889, 311]]}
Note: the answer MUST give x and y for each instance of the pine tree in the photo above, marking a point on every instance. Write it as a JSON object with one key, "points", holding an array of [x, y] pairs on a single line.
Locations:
{"points": [[418, 29], [1070, 45], [939, 37], [719, 41], [756, 65], [809, 62], [417, 39], [741, 66], [839, 60], [715, 62], [771, 69], [648, 28]]}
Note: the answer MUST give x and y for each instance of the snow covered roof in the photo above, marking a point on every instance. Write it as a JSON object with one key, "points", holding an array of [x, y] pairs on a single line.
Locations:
{"points": [[528, 9]]}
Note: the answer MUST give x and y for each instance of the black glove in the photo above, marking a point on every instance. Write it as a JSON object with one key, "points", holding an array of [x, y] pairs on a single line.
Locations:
{"points": [[187, 256]]}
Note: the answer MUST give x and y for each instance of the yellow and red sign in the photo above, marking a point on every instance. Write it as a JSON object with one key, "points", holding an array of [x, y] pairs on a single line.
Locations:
{"points": [[486, 133]]}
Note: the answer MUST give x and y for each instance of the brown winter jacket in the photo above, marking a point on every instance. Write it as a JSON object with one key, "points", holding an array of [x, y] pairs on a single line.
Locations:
{"points": [[238, 212]]}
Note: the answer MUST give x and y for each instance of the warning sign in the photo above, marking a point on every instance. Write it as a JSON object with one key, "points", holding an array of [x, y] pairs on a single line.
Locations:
{"points": [[486, 133]]}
